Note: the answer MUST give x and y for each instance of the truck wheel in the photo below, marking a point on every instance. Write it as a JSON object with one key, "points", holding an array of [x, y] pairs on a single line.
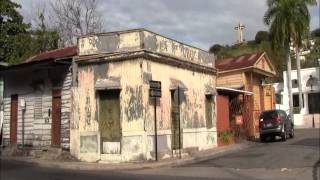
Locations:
{"points": [[292, 133]]}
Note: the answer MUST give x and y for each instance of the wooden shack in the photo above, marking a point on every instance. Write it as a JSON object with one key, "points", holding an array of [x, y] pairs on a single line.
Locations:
{"points": [[249, 72], [37, 100]]}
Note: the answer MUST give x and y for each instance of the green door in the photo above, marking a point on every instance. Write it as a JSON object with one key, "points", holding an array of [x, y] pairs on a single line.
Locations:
{"points": [[109, 116]]}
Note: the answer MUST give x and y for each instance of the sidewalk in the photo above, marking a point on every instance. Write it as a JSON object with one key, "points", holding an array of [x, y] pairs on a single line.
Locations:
{"points": [[197, 157]]}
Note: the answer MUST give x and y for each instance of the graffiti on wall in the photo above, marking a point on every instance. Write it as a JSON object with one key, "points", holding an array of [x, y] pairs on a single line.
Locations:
{"points": [[193, 116]]}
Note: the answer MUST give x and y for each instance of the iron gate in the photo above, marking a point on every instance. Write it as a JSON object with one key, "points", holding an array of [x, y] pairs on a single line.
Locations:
{"points": [[241, 105]]}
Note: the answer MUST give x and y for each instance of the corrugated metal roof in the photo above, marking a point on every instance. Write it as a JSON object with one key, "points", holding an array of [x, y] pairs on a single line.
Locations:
{"points": [[239, 62], [63, 53]]}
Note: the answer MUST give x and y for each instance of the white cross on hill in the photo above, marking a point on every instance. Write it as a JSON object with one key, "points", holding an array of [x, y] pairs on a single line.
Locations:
{"points": [[240, 28]]}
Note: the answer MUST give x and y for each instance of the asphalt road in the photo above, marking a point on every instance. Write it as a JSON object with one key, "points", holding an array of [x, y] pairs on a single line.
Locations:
{"points": [[293, 159]]}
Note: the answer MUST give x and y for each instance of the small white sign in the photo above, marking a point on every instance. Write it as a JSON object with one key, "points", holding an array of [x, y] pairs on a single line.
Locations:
{"points": [[22, 103], [111, 148]]}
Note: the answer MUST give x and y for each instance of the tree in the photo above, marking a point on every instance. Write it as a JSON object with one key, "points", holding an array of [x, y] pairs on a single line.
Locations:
{"points": [[75, 18], [261, 36], [13, 32], [312, 58], [18, 40], [289, 23], [304, 32], [44, 38], [216, 48]]}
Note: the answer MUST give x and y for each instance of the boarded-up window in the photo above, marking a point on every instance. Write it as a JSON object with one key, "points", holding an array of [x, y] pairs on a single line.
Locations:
{"points": [[209, 111], [109, 116], [38, 107]]}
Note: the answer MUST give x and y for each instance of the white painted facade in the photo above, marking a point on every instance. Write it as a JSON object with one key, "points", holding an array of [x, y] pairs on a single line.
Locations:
{"points": [[281, 88]]}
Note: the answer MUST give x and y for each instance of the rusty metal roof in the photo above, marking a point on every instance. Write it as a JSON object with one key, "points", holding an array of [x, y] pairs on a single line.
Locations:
{"points": [[239, 62], [62, 53]]}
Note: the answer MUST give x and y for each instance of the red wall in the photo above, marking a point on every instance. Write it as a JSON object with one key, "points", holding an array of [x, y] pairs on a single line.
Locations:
{"points": [[223, 123]]}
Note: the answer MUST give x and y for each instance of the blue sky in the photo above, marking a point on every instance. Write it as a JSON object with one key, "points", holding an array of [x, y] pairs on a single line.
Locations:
{"points": [[197, 22]]}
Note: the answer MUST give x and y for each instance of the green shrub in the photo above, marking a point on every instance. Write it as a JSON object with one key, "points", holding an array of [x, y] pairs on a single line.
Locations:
{"points": [[225, 136]]}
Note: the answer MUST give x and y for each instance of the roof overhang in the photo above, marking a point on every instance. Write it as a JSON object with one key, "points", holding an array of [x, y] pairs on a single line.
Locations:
{"points": [[234, 90], [254, 68], [49, 63], [264, 73], [248, 69], [234, 70], [108, 84], [177, 84], [149, 55]]}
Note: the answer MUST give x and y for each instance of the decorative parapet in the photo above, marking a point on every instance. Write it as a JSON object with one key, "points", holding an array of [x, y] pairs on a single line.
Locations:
{"points": [[141, 39]]}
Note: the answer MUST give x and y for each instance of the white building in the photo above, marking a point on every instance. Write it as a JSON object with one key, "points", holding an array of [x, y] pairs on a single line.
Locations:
{"points": [[311, 96]]}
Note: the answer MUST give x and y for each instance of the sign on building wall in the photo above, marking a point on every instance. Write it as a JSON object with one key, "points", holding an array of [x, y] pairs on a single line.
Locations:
{"points": [[155, 89], [239, 119]]}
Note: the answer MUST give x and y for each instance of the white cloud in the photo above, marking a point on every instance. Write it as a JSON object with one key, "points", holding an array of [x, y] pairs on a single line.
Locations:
{"points": [[199, 23]]}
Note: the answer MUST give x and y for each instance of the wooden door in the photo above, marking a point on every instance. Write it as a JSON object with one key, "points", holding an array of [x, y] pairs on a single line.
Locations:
{"points": [[176, 140], [109, 117], [56, 118], [223, 122], [14, 119]]}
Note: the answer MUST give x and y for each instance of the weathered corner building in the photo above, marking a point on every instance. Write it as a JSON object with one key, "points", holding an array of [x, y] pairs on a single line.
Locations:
{"points": [[113, 116]]}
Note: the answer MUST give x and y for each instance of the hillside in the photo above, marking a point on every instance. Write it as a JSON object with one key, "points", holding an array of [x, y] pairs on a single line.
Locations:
{"points": [[277, 56]]}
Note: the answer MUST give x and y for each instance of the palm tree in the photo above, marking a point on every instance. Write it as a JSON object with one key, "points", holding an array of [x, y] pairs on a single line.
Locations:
{"points": [[289, 22], [299, 45]]}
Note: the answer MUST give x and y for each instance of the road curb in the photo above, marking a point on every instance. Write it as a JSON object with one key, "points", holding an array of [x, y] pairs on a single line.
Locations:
{"points": [[198, 157]]}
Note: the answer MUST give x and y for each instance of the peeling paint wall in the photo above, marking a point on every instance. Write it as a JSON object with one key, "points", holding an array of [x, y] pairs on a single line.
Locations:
{"points": [[192, 68], [141, 39], [161, 44], [137, 110], [85, 103], [192, 109]]}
